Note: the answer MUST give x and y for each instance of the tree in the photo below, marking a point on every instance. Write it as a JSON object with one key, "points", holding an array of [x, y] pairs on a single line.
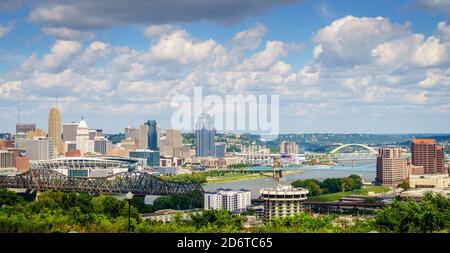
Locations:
{"points": [[404, 185], [9, 198], [312, 185]]}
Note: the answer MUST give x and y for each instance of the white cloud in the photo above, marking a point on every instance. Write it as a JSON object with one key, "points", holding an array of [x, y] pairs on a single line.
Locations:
{"points": [[10, 89], [250, 38], [264, 59], [5, 29], [350, 40], [60, 54], [158, 30], [419, 98], [431, 53], [180, 47], [65, 33], [436, 76]]}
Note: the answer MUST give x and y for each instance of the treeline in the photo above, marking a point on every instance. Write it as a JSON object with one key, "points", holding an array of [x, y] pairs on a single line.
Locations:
{"points": [[186, 201], [330, 185], [66, 212], [194, 178]]}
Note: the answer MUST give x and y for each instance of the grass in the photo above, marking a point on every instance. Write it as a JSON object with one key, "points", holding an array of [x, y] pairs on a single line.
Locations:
{"points": [[336, 196], [234, 177]]}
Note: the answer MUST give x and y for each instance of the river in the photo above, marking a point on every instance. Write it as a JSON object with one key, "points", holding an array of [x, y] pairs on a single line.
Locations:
{"points": [[365, 169]]}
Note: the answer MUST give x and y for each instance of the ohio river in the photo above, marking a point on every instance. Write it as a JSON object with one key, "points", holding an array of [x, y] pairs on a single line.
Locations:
{"points": [[365, 169]]}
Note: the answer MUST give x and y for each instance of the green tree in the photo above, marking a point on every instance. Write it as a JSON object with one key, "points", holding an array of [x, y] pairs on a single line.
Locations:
{"points": [[312, 185]]}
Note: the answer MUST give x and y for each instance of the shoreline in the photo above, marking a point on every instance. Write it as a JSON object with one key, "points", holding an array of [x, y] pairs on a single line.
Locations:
{"points": [[250, 177]]}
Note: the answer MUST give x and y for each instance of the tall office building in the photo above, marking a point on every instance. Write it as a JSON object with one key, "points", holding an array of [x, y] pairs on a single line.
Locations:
{"points": [[151, 157], [288, 148], [54, 128], [233, 201], [204, 136], [40, 149], [25, 127], [20, 140], [143, 136], [84, 144], [172, 143], [425, 153], [152, 137], [7, 159], [392, 168], [36, 133], [102, 145], [70, 131]]}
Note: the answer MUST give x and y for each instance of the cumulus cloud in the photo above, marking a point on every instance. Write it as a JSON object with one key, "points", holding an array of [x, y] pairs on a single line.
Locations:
{"points": [[180, 47], [87, 14], [4, 29], [67, 33], [157, 30], [10, 89], [265, 58], [60, 54], [250, 38], [350, 40], [434, 6]]}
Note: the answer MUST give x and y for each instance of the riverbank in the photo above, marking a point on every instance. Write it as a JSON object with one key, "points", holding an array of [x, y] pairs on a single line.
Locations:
{"points": [[338, 195], [246, 177]]}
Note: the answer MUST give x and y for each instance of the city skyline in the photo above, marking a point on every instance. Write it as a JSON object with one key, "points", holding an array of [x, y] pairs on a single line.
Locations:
{"points": [[337, 66]]}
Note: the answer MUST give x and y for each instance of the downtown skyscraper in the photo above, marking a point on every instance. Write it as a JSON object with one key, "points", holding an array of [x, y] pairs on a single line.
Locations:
{"points": [[204, 136], [426, 153], [152, 137], [54, 128]]}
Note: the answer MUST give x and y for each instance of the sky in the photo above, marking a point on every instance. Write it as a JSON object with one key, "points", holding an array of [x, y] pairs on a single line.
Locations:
{"points": [[342, 66]]}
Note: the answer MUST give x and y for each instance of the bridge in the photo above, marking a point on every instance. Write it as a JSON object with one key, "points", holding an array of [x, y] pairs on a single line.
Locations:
{"points": [[136, 182]]}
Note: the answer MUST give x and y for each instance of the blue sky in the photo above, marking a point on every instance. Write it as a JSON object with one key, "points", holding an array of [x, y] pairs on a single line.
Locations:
{"points": [[338, 66]]}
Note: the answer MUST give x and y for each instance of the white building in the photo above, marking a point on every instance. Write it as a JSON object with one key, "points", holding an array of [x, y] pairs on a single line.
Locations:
{"points": [[234, 201], [40, 148], [84, 144]]}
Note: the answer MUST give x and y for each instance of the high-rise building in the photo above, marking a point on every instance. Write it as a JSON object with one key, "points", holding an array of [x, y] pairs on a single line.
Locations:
{"points": [[425, 153], [102, 145], [152, 137], [204, 136], [20, 140], [392, 168], [143, 136], [233, 201], [25, 127], [282, 201], [171, 144], [70, 131], [220, 150], [151, 156], [40, 149], [54, 128], [84, 144], [36, 133], [7, 159], [288, 148]]}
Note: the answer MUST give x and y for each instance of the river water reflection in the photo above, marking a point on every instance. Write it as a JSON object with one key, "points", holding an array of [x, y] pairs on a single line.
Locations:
{"points": [[365, 169]]}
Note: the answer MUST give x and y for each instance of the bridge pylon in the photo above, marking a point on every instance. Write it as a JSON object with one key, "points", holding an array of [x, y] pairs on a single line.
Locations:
{"points": [[277, 174]]}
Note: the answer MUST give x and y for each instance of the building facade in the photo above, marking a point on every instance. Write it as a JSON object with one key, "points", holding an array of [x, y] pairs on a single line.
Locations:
{"points": [[84, 144], [54, 128], [425, 153], [392, 168], [288, 147], [233, 201], [151, 156], [40, 149], [204, 136], [70, 131], [152, 136], [25, 127], [282, 201]]}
